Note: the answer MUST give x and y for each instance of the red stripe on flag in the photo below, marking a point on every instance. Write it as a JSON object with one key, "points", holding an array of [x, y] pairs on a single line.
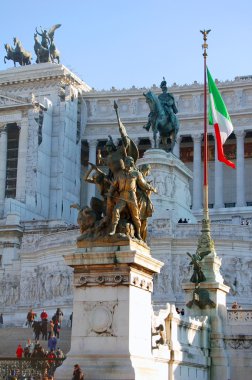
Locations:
{"points": [[221, 156]]}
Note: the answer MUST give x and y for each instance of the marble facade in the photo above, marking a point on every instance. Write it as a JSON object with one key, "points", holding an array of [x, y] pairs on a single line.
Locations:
{"points": [[57, 114], [48, 181]]}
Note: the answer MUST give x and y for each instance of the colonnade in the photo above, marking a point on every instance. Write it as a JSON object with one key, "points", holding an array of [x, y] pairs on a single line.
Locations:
{"points": [[197, 170]]}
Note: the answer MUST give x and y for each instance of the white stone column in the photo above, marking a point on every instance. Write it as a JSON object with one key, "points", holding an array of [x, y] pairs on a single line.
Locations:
{"points": [[22, 158], [218, 181], [92, 143], [176, 149], [197, 181], [240, 183], [152, 142], [3, 165]]}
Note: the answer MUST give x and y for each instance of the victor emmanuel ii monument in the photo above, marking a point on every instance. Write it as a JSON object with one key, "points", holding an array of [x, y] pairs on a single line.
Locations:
{"points": [[67, 157]]}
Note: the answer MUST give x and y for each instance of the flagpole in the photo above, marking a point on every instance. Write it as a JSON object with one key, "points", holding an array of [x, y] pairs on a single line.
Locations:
{"points": [[205, 182]]}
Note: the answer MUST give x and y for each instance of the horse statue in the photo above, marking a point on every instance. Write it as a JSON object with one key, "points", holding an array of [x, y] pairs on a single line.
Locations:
{"points": [[160, 121], [54, 52], [17, 54], [46, 50], [41, 52]]}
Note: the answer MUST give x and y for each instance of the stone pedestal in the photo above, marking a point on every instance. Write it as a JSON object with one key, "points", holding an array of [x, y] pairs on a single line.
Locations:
{"points": [[212, 297], [111, 334], [171, 178]]}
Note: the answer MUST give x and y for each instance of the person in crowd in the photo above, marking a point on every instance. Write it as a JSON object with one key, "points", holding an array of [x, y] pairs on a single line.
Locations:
{"points": [[71, 319], [60, 315], [44, 328], [50, 326], [235, 305], [28, 348], [52, 343], [56, 328], [43, 315], [185, 221], [19, 351], [59, 355], [30, 317], [182, 312], [180, 220], [77, 373], [177, 310], [36, 329], [1, 320]]}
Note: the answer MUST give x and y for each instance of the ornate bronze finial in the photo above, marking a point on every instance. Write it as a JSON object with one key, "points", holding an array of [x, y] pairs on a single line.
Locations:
{"points": [[205, 45]]}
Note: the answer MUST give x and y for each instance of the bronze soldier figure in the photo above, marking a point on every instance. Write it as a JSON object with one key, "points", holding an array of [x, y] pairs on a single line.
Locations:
{"points": [[125, 183]]}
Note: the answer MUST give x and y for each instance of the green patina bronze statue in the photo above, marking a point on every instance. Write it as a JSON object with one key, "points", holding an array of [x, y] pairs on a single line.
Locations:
{"points": [[162, 117], [45, 49], [17, 54], [124, 205]]}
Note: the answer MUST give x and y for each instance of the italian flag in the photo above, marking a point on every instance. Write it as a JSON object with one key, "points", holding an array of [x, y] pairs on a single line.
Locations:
{"points": [[219, 118]]}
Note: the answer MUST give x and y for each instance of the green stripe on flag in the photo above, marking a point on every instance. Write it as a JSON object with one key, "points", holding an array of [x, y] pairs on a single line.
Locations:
{"points": [[218, 101]]}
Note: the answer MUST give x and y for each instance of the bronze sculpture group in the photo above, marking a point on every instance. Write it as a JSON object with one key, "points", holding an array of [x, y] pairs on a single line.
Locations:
{"points": [[125, 204], [45, 49]]}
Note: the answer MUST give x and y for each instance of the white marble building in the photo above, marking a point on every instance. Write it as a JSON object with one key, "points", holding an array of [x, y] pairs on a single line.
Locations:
{"points": [[51, 124]]}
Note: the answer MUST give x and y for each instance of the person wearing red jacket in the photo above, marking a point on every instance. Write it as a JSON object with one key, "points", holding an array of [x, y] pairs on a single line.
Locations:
{"points": [[19, 351], [44, 315]]}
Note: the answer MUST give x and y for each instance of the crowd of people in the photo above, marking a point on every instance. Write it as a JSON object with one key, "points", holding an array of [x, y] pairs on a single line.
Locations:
{"points": [[245, 222], [184, 220], [43, 326], [180, 311]]}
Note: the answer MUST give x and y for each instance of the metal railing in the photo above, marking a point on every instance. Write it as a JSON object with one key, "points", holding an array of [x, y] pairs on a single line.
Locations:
{"points": [[239, 316], [28, 368]]}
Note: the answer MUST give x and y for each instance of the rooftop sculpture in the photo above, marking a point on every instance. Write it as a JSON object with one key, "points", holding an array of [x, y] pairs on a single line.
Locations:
{"points": [[17, 53], [45, 49], [125, 204], [162, 117]]}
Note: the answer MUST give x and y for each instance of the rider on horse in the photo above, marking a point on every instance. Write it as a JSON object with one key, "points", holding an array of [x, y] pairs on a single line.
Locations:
{"points": [[168, 103]]}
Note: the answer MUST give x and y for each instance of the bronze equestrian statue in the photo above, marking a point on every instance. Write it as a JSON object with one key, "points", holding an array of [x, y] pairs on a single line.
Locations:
{"points": [[17, 54], [162, 117]]}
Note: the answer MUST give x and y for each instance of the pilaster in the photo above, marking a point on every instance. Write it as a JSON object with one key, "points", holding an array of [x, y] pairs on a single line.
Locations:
{"points": [[3, 164]]}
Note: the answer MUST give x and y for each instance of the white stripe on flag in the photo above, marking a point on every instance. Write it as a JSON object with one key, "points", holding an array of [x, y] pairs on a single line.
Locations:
{"points": [[225, 125]]}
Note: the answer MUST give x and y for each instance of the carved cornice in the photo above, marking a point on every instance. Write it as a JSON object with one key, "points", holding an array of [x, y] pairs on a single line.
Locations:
{"points": [[41, 73], [104, 278]]}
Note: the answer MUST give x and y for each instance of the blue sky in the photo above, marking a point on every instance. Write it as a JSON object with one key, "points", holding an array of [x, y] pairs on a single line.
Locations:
{"points": [[137, 42]]}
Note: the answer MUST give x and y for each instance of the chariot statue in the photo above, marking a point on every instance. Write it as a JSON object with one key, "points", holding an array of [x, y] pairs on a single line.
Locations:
{"points": [[17, 54], [45, 49], [162, 118]]}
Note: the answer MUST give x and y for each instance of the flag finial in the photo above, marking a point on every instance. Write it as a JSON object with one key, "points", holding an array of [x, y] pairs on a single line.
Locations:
{"points": [[205, 45]]}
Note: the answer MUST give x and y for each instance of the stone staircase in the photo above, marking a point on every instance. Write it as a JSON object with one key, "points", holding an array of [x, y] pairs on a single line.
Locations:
{"points": [[10, 337]]}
